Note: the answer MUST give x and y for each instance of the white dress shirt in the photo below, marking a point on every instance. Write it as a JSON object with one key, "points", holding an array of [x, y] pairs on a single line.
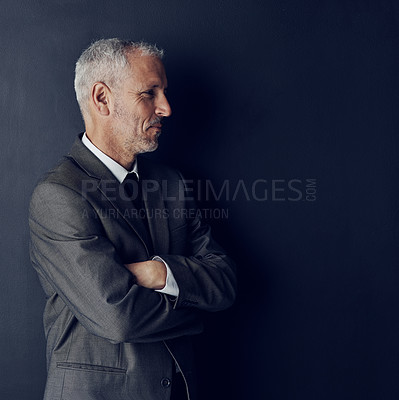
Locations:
{"points": [[120, 173]]}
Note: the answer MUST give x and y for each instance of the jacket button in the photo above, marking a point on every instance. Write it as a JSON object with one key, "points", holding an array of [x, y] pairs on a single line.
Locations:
{"points": [[165, 382]]}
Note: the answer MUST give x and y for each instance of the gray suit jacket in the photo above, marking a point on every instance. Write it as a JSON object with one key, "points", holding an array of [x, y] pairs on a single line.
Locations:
{"points": [[108, 338]]}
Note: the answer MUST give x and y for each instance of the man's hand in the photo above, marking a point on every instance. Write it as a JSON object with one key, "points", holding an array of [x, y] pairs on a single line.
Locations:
{"points": [[150, 274]]}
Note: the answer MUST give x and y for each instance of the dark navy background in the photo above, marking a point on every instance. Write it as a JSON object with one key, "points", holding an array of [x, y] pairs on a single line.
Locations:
{"points": [[266, 95]]}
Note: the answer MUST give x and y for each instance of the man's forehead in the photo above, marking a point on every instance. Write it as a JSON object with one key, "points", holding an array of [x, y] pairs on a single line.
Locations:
{"points": [[144, 64], [148, 70], [146, 74]]}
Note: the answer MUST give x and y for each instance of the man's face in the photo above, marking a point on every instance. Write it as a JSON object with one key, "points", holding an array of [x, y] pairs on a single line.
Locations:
{"points": [[139, 107]]}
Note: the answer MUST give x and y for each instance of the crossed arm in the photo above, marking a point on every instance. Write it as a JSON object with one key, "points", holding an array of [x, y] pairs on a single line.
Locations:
{"points": [[81, 265]]}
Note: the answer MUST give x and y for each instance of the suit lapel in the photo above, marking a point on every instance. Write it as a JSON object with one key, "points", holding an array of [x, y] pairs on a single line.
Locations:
{"points": [[111, 189], [155, 206]]}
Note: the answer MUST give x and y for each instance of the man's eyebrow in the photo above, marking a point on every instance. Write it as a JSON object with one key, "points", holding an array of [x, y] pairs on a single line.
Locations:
{"points": [[149, 87], [156, 85]]}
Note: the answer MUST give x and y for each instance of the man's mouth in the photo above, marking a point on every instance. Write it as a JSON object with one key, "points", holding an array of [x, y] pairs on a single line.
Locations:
{"points": [[155, 123]]}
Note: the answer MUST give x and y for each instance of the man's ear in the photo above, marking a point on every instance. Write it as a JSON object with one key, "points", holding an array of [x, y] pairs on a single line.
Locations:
{"points": [[100, 98]]}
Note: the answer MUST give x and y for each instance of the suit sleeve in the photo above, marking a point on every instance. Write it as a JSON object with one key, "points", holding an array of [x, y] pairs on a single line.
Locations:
{"points": [[71, 252], [206, 276]]}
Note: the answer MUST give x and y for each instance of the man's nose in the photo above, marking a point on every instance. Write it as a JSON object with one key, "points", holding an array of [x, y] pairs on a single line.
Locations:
{"points": [[163, 107]]}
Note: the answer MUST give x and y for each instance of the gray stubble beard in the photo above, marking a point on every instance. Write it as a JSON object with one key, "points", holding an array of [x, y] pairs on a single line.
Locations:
{"points": [[135, 143]]}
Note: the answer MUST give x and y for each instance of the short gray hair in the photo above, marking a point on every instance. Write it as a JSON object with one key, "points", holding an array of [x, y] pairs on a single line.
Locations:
{"points": [[106, 61]]}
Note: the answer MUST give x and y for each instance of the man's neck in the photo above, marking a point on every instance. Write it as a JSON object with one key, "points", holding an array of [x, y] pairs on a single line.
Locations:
{"points": [[107, 148]]}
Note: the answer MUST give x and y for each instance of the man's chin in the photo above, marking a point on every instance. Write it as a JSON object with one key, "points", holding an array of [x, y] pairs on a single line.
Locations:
{"points": [[153, 148], [149, 148]]}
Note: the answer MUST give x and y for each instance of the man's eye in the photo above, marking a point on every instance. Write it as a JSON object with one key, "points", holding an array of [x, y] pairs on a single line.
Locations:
{"points": [[149, 93]]}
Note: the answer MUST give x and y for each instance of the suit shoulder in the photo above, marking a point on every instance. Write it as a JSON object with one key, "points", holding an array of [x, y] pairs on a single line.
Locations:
{"points": [[65, 173], [63, 180]]}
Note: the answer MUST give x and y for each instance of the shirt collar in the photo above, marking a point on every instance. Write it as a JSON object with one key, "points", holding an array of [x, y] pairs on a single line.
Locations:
{"points": [[117, 170]]}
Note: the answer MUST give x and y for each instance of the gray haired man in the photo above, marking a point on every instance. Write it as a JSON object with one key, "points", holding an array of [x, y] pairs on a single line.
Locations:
{"points": [[125, 262]]}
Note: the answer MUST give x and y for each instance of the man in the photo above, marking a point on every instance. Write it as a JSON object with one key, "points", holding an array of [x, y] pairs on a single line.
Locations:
{"points": [[126, 264]]}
